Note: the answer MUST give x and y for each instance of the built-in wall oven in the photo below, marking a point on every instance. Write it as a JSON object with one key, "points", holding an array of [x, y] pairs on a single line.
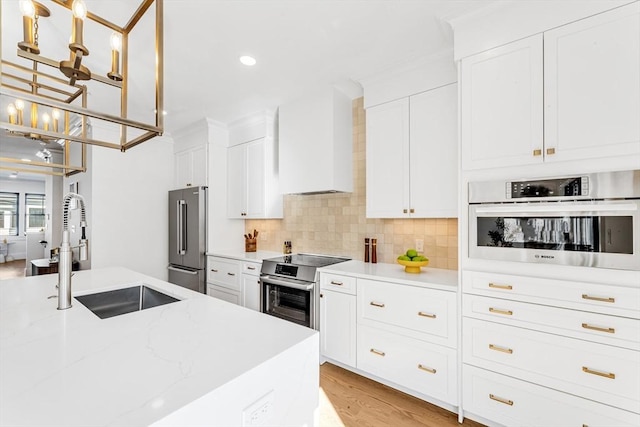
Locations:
{"points": [[588, 220], [288, 287]]}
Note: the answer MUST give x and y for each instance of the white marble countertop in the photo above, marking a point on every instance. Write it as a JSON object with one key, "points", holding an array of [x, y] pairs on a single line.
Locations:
{"points": [[435, 278], [72, 368], [256, 256]]}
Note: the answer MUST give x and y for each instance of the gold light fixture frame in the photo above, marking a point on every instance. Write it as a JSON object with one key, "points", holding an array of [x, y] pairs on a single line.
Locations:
{"points": [[52, 90]]}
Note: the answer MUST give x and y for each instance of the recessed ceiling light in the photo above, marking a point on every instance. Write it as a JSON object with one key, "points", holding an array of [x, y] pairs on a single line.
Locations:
{"points": [[13, 175], [26, 160], [249, 61]]}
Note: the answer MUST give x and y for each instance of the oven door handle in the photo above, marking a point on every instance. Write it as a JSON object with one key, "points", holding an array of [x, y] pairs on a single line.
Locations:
{"points": [[557, 208], [286, 283]]}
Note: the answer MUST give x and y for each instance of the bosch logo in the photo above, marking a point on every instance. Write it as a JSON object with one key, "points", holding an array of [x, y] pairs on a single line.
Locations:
{"points": [[544, 256]]}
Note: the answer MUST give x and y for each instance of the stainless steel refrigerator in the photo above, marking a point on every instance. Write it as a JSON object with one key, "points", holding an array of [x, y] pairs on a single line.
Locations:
{"points": [[188, 237]]}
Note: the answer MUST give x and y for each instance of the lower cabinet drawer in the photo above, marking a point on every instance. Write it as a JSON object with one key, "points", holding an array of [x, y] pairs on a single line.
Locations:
{"points": [[511, 402], [223, 293], [612, 330], [595, 371], [427, 368], [224, 272]]}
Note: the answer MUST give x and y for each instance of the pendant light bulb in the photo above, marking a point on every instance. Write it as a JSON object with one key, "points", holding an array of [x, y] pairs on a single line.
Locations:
{"points": [[11, 109], [79, 9], [116, 41], [55, 113], [27, 8], [46, 118], [19, 104]]}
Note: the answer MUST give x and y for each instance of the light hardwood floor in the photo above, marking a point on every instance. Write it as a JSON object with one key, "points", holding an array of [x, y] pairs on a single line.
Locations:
{"points": [[348, 399]]}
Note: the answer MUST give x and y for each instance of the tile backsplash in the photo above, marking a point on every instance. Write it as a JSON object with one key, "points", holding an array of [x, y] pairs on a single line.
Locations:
{"points": [[336, 223]]}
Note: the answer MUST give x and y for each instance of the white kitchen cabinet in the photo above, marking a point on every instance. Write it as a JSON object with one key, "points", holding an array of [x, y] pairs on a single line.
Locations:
{"points": [[592, 88], [234, 280], [557, 341], [501, 111], [412, 156], [252, 178], [512, 402], [587, 74], [191, 167], [338, 327], [251, 285], [421, 366]]}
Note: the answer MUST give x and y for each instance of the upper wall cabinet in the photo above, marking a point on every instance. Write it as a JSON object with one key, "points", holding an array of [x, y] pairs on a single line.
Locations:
{"points": [[588, 76], [252, 178], [592, 86], [190, 155], [412, 156]]}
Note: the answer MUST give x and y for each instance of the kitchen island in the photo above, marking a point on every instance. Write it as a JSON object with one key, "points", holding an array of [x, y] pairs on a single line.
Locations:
{"points": [[198, 361]]}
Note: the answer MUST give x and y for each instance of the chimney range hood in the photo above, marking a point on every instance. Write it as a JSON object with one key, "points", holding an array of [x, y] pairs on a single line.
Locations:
{"points": [[316, 143]]}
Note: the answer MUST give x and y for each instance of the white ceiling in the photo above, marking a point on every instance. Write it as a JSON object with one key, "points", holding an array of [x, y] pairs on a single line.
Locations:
{"points": [[298, 44]]}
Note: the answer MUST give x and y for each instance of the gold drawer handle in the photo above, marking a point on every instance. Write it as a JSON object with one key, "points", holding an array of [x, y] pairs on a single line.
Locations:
{"points": [[215, 271], [502, 349], [333, 282], [404, 211], [498, 311], [599, 373], [501, 400], [537, 152], [412, 210], [376, 304], [231, 274], [497, 286], [378, 352], [429, 315], [551, 151], [585, 296], [250, 268], [599, 329], [426, 368]]}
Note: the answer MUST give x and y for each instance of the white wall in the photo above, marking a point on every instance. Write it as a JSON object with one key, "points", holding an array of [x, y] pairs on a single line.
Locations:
{"points": [[129, 205], [18, 249]]}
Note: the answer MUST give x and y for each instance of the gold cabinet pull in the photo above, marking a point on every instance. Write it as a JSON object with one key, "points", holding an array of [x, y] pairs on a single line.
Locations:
{"points": [[502, 349], [215, 271], [501, 400], [551, 151], [429, 315], [404, 211], [378, 352], [376, 304], [498, 311], [231, 274], [601, 299], [497, 286], [598, 328], [412, 210], [426, 368], [599, 373], [537, 152], [333, 282], [250, 268]]}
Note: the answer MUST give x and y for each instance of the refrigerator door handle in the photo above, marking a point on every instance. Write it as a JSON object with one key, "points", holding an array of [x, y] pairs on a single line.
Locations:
{"points": [[181, 205], [180, 270]]}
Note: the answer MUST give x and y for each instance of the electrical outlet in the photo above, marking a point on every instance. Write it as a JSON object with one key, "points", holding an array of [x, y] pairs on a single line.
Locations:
{"points": [[419, 245], [259, 413]]}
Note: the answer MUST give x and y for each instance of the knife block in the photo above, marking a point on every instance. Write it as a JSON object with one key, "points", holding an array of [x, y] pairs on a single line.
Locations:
{"points": [[250, 245]]}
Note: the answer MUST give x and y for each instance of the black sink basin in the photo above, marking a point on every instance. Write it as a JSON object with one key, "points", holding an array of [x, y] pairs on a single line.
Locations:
{"points": [[121, 301]]}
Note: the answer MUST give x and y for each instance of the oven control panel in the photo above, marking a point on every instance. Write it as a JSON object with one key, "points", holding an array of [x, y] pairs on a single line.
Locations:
{"points": [[543, 188], [287, 270]]}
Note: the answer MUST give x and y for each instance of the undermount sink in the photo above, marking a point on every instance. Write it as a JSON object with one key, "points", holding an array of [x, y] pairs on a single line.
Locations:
{"points": [[121, 301]]}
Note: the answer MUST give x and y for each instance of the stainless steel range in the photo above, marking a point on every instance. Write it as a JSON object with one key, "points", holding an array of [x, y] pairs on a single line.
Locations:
{"points": [[288, 286]]}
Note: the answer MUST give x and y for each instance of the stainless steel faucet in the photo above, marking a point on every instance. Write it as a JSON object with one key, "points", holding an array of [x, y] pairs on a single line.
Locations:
{"points": [[66, 255]]}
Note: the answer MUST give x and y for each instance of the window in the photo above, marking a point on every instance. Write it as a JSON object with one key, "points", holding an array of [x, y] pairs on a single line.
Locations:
{"points": [[34, 216], [8, 214]]}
